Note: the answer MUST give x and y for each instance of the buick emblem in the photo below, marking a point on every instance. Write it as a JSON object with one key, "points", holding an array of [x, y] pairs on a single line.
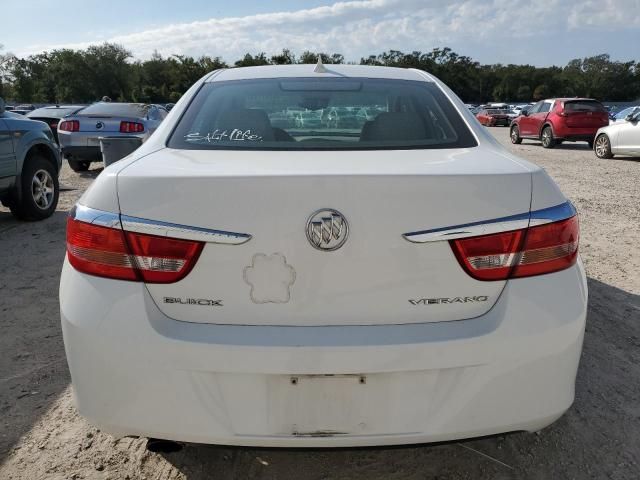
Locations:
{"points": [[327, 230], [99, 125]]}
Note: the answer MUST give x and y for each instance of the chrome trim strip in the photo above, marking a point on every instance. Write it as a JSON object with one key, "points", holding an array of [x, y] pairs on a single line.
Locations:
{"points": [[165, 229], [154, 227], [96, 217], [552, 214], [497, 225]]}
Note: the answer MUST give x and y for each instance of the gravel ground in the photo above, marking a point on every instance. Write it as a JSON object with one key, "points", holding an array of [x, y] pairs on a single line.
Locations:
{"points": [[42, 436]]}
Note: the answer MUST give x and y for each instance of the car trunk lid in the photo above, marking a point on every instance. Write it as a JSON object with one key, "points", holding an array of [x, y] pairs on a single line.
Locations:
{"points": [[279, 278]]}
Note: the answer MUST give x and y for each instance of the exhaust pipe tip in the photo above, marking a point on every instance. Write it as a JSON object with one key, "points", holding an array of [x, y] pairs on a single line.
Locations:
{"points": [[159, 445]]}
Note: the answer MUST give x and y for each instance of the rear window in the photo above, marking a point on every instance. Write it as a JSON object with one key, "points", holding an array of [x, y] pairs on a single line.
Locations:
{"points": [[584, 106], [326, 113], [52, 112], [108, 109]]}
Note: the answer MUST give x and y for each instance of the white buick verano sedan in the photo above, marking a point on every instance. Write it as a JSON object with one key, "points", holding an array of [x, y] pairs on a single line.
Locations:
{"points": [[322, 256]]}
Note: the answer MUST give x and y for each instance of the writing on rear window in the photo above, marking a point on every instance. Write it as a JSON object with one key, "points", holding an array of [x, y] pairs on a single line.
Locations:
{"points": [[235, 135]]}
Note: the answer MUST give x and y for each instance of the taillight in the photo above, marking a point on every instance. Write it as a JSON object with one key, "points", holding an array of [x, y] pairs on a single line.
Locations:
{"points": [[69, 126], [113, 253], [520, 253], [131, 127]]}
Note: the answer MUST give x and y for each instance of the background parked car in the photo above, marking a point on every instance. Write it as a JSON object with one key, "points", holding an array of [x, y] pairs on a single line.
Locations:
{"points": [[492, 117], [79, 134], [620, 138], [519, 108], [52, 115], [553, 121], [29, 166], [623, 114]]}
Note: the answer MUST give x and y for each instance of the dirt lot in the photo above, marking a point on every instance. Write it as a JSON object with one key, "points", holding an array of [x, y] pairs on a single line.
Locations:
{"points": [[41, 436]]}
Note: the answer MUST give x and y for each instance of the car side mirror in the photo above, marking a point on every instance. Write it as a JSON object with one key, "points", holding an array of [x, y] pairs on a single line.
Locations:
{"points": [[524, 113], [1, 106]]}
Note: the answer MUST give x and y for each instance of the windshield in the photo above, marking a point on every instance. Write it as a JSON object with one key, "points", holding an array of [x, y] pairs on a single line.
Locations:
{"points": [[107, 109], [327, 113]]}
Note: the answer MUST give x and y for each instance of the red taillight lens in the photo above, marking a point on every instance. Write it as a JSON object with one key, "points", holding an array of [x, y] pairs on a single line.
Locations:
{"points": [[69, 126], [549, 248], [113, 253], [520, 253], [131, 127]]}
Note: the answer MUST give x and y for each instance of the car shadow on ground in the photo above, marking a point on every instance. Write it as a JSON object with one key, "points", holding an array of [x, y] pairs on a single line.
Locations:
{"points": [[588, 439], [562, 146], [91, 174], [33, 370], [583, 146]]}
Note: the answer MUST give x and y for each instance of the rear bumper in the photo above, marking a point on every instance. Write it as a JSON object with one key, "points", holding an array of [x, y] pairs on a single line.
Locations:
{"points": [[84, 146], [578, 138], [501, 121], [82, 153], [137, 372]]}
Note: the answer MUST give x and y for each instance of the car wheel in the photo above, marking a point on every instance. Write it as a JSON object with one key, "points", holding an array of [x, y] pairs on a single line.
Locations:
{"points": [[77, 166], [515, 135], [547, 138], [40, 190], [602, 147]]}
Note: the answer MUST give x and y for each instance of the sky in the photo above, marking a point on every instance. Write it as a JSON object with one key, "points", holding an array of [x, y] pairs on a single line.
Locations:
{"points": [[543, 32]]}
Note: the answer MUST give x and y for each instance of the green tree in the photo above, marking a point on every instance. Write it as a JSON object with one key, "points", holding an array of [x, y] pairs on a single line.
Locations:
{"points": [[67, 75], [250, 61], [284, 58], [541, 92], [5, 67]]}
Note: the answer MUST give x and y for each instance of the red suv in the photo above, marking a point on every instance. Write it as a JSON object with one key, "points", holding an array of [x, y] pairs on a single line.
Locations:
{"points": [[561, 119]]}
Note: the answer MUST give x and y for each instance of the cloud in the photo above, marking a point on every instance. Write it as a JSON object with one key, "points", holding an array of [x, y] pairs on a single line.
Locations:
{"points": [[611, 14], [358, 28]]}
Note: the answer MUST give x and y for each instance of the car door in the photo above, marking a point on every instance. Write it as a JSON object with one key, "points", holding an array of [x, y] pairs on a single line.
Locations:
{"points": [[526, 121], [539, 117], [7, 155], [629, 136]]}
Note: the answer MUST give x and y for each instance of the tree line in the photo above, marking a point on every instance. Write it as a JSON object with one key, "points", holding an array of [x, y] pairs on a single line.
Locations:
{"points": [[82, 76]]}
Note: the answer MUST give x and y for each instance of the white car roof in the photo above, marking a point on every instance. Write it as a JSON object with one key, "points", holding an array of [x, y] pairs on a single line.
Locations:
{"points": [[305, 70]]}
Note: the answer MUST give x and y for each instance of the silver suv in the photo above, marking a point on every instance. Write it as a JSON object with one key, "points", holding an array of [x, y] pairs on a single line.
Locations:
{"points": [[29, 166]]}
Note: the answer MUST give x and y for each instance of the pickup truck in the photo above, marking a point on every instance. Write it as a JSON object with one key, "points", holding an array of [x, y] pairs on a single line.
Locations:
{"points": [[30, 163]]}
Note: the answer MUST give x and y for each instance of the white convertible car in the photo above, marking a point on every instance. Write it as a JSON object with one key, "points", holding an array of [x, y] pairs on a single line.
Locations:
{"points": [[619, 138], [398, 277]]}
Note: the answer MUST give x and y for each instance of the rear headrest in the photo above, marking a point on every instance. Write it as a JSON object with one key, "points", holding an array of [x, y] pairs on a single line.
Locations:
{"points": [[396, 126], [249, 122]]}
